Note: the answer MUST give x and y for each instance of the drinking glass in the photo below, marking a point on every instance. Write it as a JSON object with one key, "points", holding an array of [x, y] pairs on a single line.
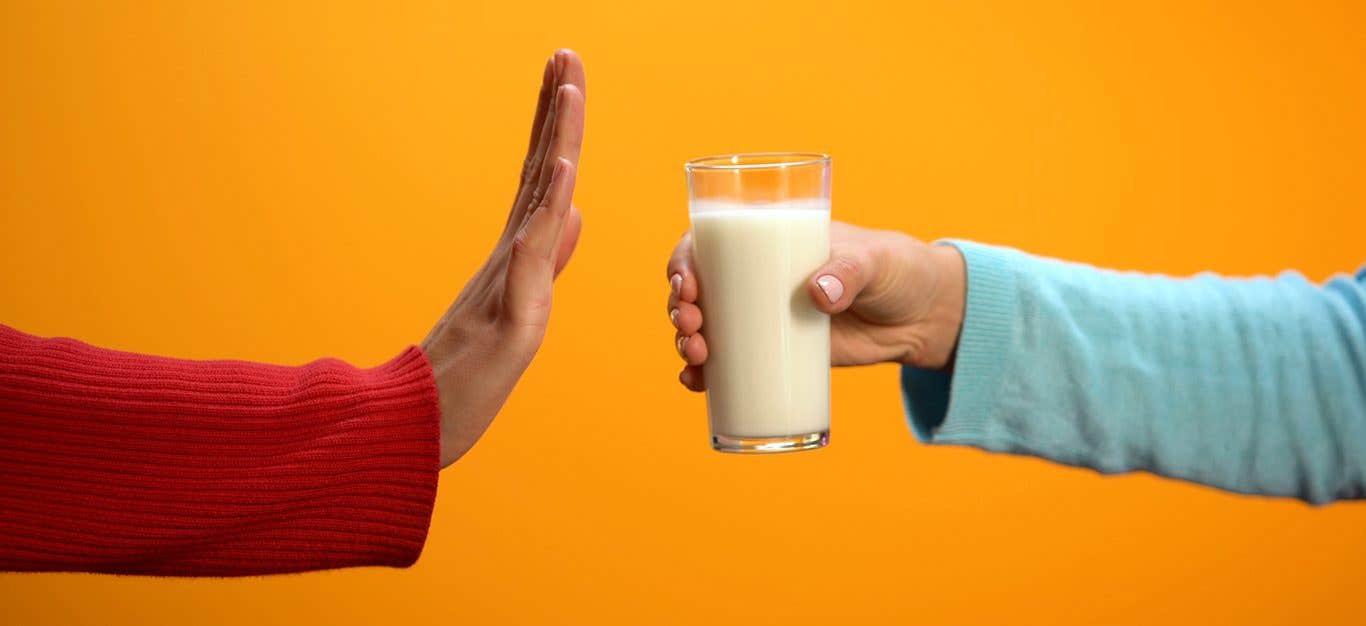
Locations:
{"points": [[760, 228]]}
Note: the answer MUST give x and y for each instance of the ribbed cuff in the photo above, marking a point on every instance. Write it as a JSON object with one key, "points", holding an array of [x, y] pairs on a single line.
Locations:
{"points": [[398, 424], [955, 409]]}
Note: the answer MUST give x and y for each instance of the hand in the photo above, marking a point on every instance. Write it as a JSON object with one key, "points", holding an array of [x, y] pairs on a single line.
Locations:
{"points": [[487, 338], [891, 297]]}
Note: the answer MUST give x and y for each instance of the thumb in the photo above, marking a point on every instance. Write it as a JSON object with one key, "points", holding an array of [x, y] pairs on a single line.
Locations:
{"points": [[835, 286], [531, 270]]}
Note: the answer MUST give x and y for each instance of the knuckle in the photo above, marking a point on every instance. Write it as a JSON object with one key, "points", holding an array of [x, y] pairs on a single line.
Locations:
{"points": [[531, 165], [537, 198], [847, 268], [530, 314], [678, 261], [537, 311], [521, 248]]}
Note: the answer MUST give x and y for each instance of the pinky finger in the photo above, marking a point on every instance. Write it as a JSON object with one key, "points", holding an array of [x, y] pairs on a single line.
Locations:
{"points": [[691, 377]]}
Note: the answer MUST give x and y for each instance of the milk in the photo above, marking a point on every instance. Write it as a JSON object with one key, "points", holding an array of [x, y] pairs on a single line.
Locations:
{"points": [[768, 364]]}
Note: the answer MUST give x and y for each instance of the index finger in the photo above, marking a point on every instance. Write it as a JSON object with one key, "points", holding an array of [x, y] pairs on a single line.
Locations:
{"points": [[549, 133], [548, 80], [682, 276]]}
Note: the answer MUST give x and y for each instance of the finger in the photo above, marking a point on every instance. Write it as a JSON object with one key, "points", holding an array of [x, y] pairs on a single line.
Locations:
{"points": [[543, 100], [569, 238], [531, 270], [565, 126], [691, 377], [563, 140], [536, 148], [686, 317], [566, 134], [565, 69], [693, 348], [682, 277], [835, 285], [570, 69]]}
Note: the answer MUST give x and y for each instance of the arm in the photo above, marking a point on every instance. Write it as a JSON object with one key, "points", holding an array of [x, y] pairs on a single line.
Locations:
{"points": [[117, 462], [1256, 386]]}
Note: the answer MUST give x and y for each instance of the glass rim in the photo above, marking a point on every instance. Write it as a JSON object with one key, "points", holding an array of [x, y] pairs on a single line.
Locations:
{"points": [[718, 161]]}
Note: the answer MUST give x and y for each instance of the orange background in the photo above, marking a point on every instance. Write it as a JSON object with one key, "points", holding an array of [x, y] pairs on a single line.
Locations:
{"points": [[286, 182]]}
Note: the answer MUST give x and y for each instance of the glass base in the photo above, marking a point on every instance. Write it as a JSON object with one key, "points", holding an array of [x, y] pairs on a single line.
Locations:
{"points": [[770, 445]]}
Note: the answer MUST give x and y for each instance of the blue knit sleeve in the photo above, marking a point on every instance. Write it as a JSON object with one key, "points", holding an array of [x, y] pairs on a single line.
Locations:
{"points": [[1252, 385]]}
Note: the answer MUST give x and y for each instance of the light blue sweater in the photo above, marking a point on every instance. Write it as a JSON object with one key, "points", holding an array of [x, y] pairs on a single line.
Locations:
{"points": [[1252, 385]]}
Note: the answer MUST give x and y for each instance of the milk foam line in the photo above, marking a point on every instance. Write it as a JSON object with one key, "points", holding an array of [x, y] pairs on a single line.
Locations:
{"points": [[803, 205]]}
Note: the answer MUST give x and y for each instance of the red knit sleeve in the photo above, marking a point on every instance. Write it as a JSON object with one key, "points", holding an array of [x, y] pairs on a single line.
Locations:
{"points": [[132, 464]]}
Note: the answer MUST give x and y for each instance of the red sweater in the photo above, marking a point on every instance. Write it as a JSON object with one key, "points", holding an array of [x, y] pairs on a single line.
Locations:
{"points": [[132, 464]]}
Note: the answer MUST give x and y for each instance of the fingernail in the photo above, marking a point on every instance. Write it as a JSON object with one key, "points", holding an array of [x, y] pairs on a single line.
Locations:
{"points": [[673, 317], [832, 287], [676, 284], [682, 343]]}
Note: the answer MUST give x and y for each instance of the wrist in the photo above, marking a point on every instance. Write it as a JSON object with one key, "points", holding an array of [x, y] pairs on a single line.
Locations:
{"points": [[474, 375], [450, 367], [948, 302]]}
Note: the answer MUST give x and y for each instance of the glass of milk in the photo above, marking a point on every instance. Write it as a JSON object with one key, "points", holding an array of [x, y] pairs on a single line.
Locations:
{"points": [[761, 227]]}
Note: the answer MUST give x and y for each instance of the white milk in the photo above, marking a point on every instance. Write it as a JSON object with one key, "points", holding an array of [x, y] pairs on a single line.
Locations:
{"points": [[768, 369]]}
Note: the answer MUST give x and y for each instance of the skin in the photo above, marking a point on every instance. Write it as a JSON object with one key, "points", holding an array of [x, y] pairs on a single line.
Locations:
{"points": [[891, 298], [897, 299], [487, 338]]}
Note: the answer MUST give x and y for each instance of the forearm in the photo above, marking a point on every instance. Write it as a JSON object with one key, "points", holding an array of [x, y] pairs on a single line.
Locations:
{"points": [[1255, 386], [116, 462]]}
